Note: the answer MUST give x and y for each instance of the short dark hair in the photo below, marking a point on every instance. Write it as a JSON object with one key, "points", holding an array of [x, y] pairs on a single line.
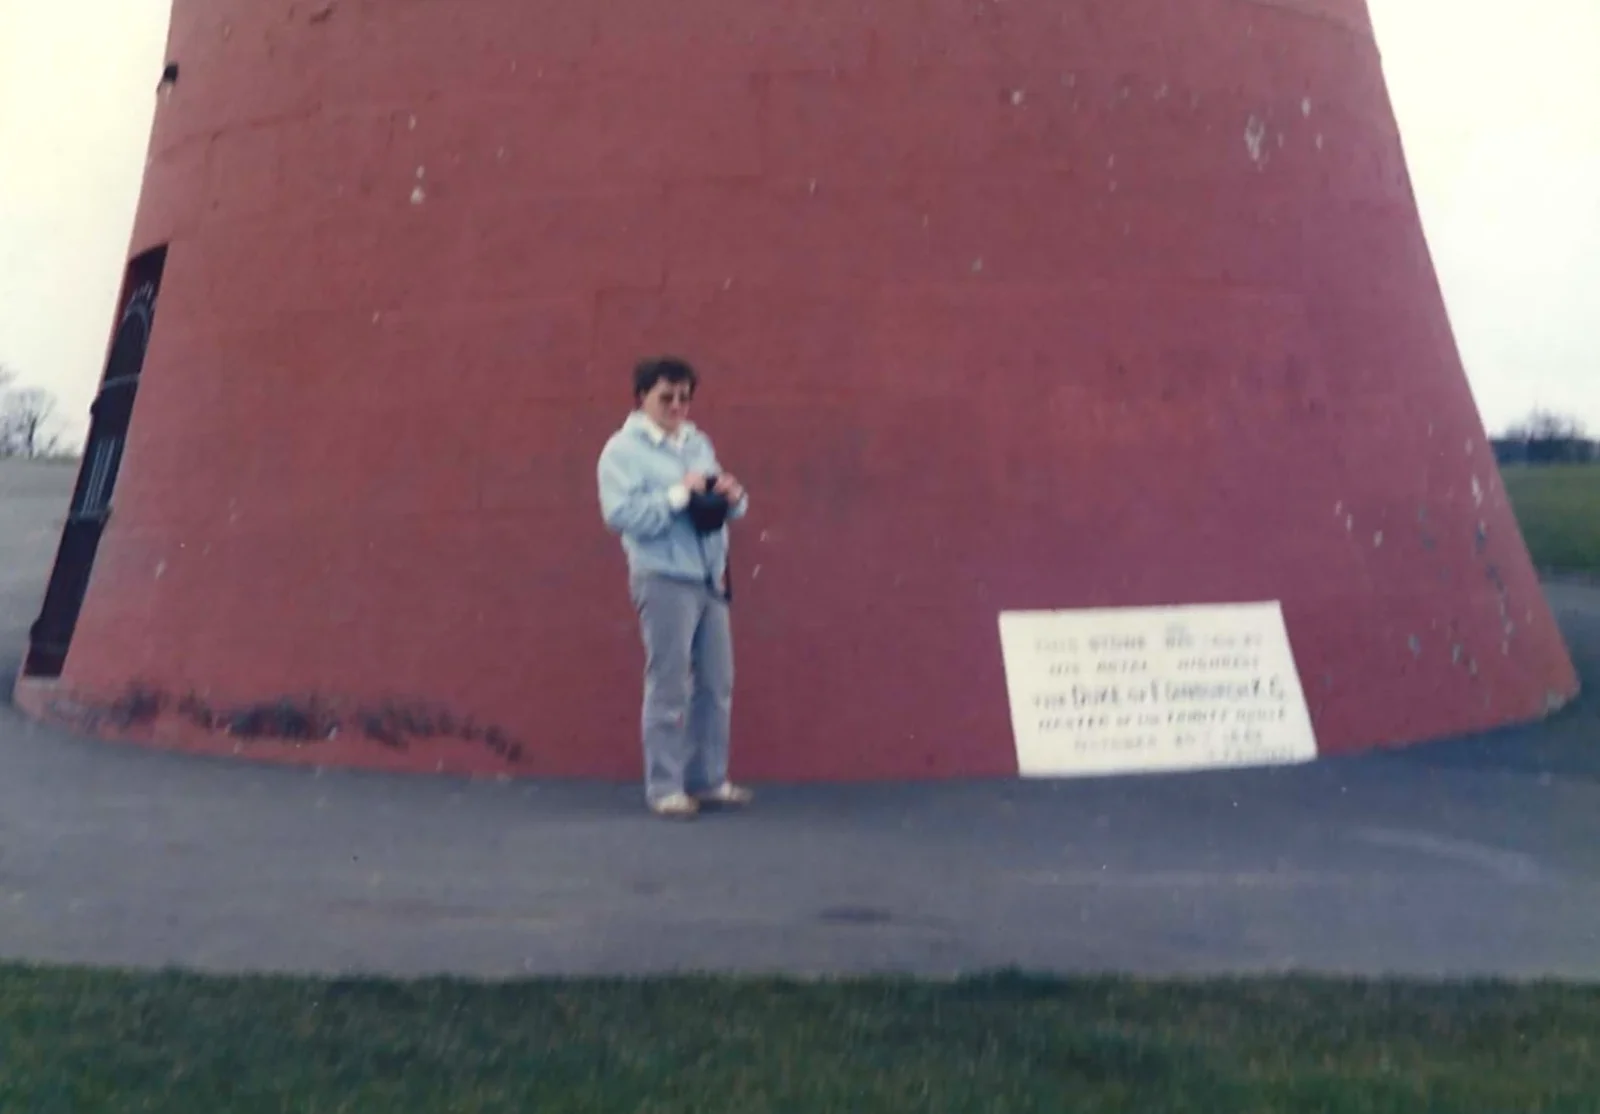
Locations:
{"points": [[650, 372]]}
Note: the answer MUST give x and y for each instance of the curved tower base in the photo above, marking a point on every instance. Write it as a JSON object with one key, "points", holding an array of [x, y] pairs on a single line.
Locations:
{"points": [[1001, 307]]}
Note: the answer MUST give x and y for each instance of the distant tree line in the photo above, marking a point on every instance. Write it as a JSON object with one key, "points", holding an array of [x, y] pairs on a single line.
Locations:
{"points": [[1547, 438], [27, 421]]}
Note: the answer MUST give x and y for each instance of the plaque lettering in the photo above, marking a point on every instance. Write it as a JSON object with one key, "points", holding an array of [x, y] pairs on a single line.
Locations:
{"points": [[1153, 689]]}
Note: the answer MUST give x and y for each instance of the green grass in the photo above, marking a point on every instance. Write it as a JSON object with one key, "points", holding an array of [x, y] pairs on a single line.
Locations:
{"points": [[1559, 510], [87, 1042]]}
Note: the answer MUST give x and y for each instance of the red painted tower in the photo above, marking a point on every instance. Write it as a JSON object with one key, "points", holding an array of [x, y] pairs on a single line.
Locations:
{"points": [[1000, 304]]}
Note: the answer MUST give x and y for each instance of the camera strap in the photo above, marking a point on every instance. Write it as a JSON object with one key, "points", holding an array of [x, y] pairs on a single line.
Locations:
{"points": [[727, 573]]}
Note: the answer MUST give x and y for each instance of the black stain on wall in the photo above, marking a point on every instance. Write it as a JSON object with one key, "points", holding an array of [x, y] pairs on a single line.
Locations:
{"points": [[396, 725]]}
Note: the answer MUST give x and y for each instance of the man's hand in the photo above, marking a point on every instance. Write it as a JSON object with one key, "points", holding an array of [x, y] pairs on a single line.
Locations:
{"points": [[732, 488], [696, 482]]}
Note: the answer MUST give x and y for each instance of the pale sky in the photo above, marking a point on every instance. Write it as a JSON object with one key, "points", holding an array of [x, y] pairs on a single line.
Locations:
{"points": [[1498, 101]]}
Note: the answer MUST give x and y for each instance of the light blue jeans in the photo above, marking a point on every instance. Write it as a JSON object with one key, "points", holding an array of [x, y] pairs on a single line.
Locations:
{"points": [[688, 685]]}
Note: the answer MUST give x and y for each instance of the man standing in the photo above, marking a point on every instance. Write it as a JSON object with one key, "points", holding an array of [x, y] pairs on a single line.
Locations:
{"points": [[662, 490]]}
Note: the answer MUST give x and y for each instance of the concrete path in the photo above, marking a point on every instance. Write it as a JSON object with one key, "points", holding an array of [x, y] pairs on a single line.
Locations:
{"points": [[1481, 857]]}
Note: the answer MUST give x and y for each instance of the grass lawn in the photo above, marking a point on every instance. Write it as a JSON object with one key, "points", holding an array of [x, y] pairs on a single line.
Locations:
{"points": [[1559, 510], [88, 1042]]}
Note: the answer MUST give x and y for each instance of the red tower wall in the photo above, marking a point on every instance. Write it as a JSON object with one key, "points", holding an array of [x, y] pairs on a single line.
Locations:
{"points": [[1000, 305]]}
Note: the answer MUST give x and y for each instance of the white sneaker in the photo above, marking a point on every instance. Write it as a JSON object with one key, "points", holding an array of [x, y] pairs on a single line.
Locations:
{"points": [[728, 795], [676, 806]]}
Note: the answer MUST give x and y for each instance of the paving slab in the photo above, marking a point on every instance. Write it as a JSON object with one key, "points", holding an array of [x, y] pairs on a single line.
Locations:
{"points": [[1474, 858]]}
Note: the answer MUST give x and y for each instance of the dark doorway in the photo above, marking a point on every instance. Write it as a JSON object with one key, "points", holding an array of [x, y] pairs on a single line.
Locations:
{"points": [[90, 510]]}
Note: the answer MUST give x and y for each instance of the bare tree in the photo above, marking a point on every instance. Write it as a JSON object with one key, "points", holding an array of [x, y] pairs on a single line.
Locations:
{"points": [[1544, 425], [1545, 437], [7, 377], [25, 415]]}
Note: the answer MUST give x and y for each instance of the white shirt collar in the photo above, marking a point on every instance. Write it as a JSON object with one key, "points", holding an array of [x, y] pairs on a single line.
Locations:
{"points": [[659, 435]]}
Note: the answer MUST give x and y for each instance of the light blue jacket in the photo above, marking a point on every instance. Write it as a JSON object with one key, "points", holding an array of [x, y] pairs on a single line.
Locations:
{"points": [[642, 498]]}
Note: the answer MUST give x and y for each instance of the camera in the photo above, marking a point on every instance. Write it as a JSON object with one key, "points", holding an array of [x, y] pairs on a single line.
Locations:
{"points": [[708, 509]]}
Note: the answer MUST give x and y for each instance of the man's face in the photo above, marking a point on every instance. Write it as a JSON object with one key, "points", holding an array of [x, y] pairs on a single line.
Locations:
{"points": [[667, 404]]}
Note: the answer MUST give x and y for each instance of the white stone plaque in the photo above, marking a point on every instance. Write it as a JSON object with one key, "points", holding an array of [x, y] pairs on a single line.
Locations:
{"points": [[1142, 690]]}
